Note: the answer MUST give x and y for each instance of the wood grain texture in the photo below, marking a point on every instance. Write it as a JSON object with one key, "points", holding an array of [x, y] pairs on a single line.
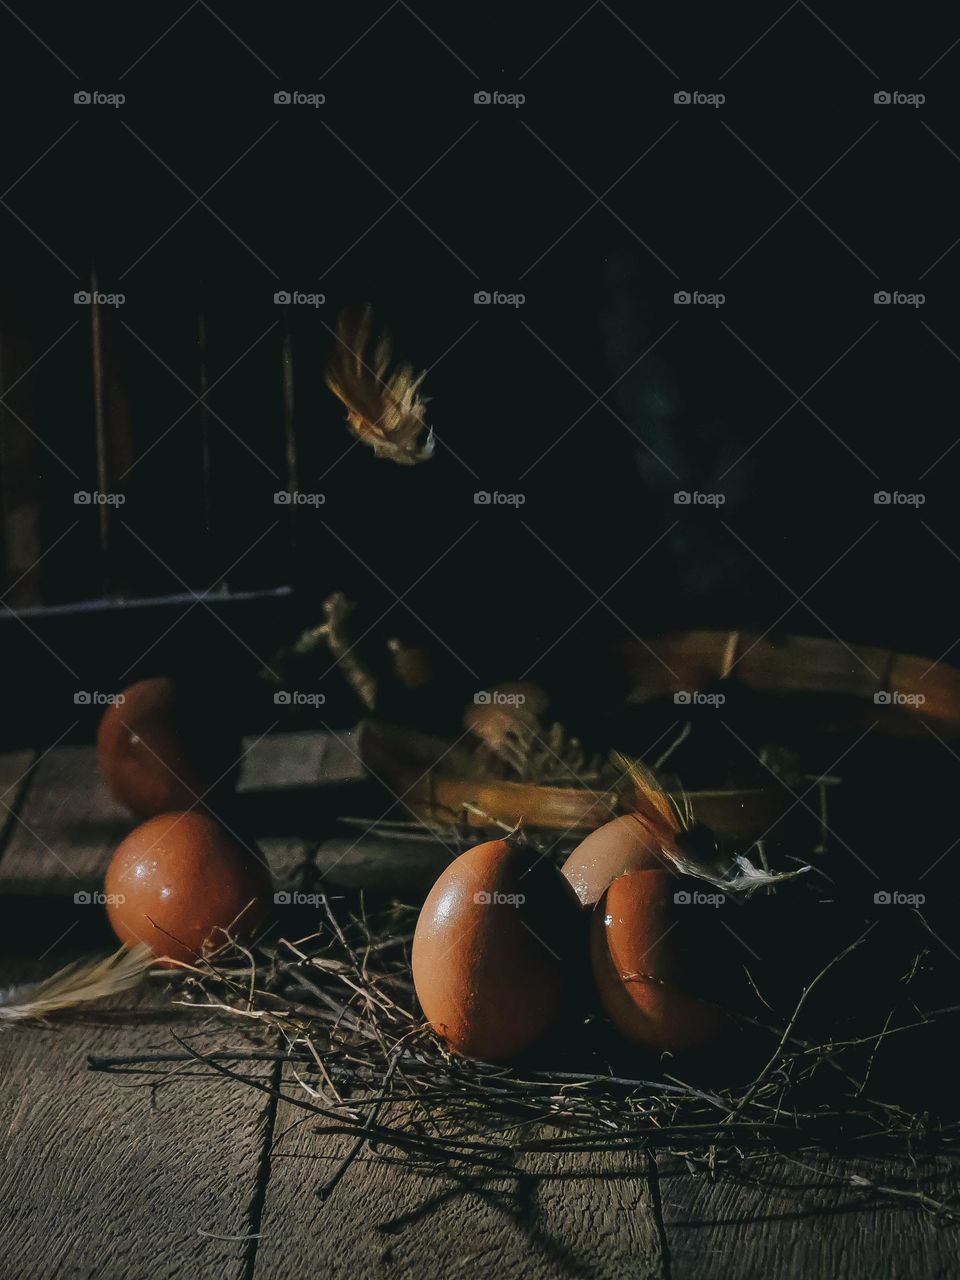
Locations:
{"points": [[577, 1215], [788, 1221], [67, 830], [103, 1176]]}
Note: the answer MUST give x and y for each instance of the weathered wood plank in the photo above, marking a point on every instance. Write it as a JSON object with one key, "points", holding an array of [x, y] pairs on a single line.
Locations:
{"points": [[577, 1215], [67, 830], [69, 826], [14, 772], [788, 1220], [102, 1176]]}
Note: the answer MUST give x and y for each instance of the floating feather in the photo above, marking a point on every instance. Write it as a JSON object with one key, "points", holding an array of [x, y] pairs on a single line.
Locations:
{"points": [[384, 407]]}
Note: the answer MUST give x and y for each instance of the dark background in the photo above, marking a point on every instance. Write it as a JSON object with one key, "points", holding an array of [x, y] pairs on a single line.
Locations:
{"points": [[598, 198]]}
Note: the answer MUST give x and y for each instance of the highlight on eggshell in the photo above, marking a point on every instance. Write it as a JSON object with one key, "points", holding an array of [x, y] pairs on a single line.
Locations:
{"points": [[491, 950], [641, 972], [162, 746], [180, 882], [624, 844]]}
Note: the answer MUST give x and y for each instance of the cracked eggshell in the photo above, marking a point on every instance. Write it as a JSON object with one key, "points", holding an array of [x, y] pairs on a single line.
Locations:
{"points": [[639, 970], [625, 844]]}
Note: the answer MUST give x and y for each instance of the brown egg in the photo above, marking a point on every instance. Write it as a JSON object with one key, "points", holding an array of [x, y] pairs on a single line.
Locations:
{"points": [[491, 949], [178, 879], [640, 970], [163, 748], [625, 844]]}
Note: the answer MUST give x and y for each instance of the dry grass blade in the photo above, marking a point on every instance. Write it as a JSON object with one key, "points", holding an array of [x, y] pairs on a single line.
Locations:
{"points": [[384, 406], [76, 984]]}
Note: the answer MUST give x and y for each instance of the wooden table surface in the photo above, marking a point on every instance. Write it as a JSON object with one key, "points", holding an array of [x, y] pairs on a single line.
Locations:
{"points": [[104, 1176]]}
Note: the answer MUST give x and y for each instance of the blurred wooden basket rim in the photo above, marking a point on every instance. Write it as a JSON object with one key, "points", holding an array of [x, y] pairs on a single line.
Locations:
{"points": [[411, 764], [900, 692]]}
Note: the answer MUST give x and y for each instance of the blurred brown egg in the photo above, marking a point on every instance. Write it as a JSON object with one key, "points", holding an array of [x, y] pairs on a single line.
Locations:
{"points": [[640, 970], [178, 880], [491, 949], [164, 747], [625, 844]]}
